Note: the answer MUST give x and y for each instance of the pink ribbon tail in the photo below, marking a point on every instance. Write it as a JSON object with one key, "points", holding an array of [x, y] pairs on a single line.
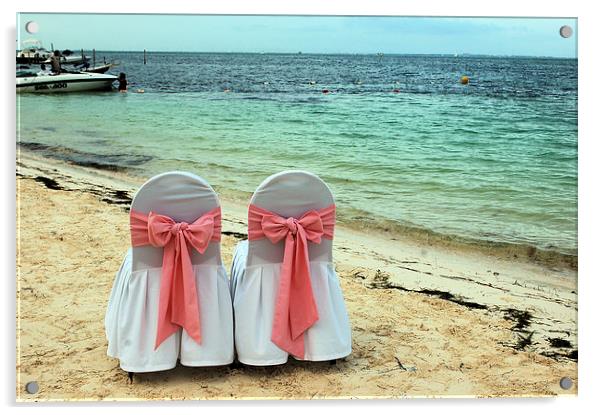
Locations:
{"points": [[178, 298], [295, 309]]}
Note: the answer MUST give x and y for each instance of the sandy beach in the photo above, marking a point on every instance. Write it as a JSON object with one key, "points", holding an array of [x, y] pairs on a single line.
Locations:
{"points": [[427, 320]]}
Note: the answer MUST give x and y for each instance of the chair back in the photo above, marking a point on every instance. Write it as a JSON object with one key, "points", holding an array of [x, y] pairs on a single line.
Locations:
{"points": [[182, 196], [290, 194]]}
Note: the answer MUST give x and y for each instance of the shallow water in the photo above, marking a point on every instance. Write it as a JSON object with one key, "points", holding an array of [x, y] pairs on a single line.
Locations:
{"points": [[494, 161]]}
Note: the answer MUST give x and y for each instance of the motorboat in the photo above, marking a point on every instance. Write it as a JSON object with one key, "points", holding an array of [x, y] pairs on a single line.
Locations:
{"points": [[100, 68], [37, 56], [43, 82], [32, 51]]}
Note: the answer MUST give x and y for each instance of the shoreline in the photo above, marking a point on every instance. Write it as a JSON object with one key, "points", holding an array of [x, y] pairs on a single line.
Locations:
{"points": [[445, 312], [353, 219]]}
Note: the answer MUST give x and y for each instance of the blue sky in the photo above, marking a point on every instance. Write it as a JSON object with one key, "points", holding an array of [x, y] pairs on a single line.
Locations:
{"points": [[309, 34]]}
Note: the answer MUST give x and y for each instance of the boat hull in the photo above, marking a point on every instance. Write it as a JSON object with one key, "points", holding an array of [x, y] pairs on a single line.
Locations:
{"points": [[99, 69], [26, 60], [65, 83]]}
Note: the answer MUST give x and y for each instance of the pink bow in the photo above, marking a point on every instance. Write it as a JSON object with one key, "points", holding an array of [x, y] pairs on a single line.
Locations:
{"points": [[178, 300], [295, 310]]}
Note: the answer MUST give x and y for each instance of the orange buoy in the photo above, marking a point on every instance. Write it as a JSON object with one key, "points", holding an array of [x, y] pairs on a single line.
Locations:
{"points": [[464, 80]]}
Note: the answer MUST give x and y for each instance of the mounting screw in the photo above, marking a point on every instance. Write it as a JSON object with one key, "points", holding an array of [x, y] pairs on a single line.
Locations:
{"points": [[32, 387], [32, 27], [566, 383], [566, 31]]}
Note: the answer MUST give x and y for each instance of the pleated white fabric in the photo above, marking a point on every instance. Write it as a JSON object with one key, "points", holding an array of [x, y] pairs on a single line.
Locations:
{"points": [[255, 279], [132, 313]]}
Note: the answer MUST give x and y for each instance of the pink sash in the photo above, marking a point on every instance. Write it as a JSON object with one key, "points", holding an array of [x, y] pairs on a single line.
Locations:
{"points": [[178, 301], [296, 309]]}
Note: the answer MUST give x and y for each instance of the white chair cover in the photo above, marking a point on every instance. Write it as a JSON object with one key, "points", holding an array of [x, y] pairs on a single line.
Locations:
{"points": [[132, 312], [256, 274]]}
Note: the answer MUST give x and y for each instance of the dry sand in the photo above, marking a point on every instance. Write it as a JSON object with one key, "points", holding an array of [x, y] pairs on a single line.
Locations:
{"points": [[426, 320]]}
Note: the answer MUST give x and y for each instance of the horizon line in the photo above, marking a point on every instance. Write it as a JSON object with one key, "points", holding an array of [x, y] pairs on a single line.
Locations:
{"points": [[446, 54]]}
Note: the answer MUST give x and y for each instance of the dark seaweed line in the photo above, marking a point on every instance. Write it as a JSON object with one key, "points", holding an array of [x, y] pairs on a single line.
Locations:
{"points": [[554, 300], [237, 235], [521, 318], [107, 195]]}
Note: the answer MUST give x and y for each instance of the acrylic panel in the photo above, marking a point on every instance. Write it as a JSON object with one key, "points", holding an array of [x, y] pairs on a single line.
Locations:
{"points": [[449, 145]]}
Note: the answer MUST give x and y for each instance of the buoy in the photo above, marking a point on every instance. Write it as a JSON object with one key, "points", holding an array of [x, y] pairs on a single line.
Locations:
{"points": [[140, 91], [312, 82], [464, 80], [396, 91], [325, 91]]}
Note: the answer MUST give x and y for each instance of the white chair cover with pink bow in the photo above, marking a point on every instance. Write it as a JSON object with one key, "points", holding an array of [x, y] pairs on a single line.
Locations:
{"points": [[286, 293], [171, 298]]}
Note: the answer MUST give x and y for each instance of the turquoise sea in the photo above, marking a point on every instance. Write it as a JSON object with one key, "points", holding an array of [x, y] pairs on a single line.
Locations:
{"points": [[403, 145]]}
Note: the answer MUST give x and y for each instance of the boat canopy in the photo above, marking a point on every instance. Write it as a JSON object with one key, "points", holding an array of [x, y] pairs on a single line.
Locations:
{"points": [[31, 43]]}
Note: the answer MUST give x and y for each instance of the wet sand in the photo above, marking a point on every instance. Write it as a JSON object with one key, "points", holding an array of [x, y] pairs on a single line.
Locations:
{"points": [[426, 320]]}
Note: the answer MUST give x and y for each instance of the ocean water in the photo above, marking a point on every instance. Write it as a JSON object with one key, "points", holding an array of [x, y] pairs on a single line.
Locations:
{"points": [[403, 145]]}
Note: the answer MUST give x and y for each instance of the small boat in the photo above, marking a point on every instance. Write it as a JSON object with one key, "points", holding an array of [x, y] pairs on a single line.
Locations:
{"points": [[101, 68], [64, 82], [32, 51], [98, 68]]}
